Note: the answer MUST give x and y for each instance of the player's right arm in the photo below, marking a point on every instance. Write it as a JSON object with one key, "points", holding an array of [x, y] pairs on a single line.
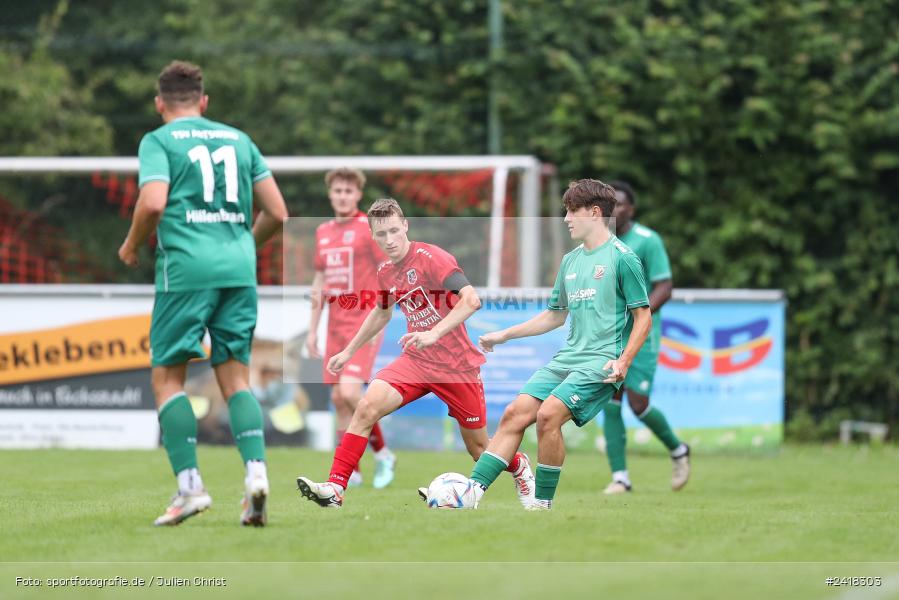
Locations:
{"points": [[153, 179], [273, 211], [147, 212], [376, 320], [318, 305]]}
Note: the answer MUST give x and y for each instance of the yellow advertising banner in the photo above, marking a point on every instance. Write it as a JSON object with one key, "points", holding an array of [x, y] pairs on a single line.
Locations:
{"points": [[100, 346]]}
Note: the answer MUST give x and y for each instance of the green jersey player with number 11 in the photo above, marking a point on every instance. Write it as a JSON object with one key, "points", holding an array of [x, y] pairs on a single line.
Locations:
{"points": [[198, 180]]}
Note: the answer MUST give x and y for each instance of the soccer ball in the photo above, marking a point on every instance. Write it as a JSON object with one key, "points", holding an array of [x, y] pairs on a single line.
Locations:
{"points": [[451, 490]]}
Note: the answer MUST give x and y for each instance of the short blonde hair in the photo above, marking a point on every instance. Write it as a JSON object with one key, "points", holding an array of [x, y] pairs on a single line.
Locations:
{"points": [[384, 209], [344, 174]]}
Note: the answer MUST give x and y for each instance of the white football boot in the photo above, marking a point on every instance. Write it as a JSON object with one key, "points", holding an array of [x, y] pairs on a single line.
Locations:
{"points": [[254, 502], [680, 470], [525, 483], [183, 507], [617, 487], [326, 495]]}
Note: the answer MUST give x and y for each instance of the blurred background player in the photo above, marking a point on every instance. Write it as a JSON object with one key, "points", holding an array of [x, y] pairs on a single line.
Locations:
{"points": [[346, 265], [438, 356], [600, 284], [198, 179], [648, 245]]}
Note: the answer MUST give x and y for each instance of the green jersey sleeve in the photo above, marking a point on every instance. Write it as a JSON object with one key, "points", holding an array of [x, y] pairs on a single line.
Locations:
{"points": [[558, 298], [630, 279], [154, 162], [260, 168], [658, 268]]}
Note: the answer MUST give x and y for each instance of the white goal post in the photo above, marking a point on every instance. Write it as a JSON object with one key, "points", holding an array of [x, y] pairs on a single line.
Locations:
{"points": [[529, 190]]}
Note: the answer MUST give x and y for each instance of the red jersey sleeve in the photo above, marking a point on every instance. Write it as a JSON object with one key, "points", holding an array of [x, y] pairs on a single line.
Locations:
{"points": [[441, 265]]}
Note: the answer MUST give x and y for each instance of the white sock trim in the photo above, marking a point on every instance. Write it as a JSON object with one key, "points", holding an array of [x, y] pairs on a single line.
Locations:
{"points": [[256, 468], [621, 477], [645, 412], [497, 457], [680, 451], [550, 467], [170, 398], [189, 481]]}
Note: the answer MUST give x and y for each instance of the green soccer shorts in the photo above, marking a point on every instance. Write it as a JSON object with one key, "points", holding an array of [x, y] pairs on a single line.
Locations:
{"points": [[180, 319], [643, 370], [581, 391]]}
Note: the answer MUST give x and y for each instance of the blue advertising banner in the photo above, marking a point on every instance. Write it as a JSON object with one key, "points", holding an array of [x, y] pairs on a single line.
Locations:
{"points": [[720, 378]]}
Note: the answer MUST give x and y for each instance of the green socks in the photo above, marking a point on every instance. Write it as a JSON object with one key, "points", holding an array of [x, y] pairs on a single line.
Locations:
{"points": [[488, 468], [658, 424], [247, 425], [616, 437], [547, 480], [179, 432]]}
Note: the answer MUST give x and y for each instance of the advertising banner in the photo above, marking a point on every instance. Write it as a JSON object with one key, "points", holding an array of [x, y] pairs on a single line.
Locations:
{"points": [[74, 371], [719, 381]]}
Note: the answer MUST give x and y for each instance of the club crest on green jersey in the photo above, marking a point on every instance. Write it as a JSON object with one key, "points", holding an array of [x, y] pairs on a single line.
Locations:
{"points": [[599, 271]]}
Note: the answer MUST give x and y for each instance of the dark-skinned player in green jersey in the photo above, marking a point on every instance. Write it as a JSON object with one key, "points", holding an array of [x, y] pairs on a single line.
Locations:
{"points": [[198, 183], [648, 245]]}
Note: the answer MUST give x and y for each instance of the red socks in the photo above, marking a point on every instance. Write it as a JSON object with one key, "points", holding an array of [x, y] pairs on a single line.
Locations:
{"points": [[376, 438], [346, 457]]}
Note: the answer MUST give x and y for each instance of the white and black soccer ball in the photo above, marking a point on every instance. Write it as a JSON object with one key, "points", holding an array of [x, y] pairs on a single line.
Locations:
{"points": [[451, 490]]}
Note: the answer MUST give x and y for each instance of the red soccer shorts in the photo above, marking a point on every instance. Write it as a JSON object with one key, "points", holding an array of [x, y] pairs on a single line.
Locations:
{"points": [[359, 366], [462, 392]]}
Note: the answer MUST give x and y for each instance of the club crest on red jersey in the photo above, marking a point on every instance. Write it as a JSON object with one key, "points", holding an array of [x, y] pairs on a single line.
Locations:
{"points": [[411, 276], [349, 236], [599, 271]]}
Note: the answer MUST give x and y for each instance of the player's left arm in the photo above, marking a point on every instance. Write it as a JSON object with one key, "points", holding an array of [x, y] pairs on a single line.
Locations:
{"points": [[151, 202], [658, 269], [467, 304], [660, 294], [633, 289], [642, 324]]}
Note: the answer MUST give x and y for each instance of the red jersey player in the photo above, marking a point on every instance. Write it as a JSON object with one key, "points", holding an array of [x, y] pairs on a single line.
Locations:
{"points": [[438, 356], [346, 263]]}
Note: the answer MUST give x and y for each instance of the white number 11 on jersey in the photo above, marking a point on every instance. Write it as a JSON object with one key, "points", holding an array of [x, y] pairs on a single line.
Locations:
{"points": [[224, 154]]}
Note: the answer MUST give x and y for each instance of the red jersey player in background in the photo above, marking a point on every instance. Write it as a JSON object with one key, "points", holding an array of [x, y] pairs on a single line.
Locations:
{"points": [[438, 356], [346, 264]]}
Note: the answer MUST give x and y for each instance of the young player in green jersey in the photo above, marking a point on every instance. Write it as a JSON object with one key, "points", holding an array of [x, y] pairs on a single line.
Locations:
{"points": [[198, 180], [600, 285], [648, 245]]}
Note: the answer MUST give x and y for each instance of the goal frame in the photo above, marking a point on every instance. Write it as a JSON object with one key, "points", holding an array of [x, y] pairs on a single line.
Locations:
{"points": [[528, 192]]}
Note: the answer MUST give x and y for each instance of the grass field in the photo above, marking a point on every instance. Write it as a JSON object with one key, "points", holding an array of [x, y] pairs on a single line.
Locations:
{"points": [[772, 526]]}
